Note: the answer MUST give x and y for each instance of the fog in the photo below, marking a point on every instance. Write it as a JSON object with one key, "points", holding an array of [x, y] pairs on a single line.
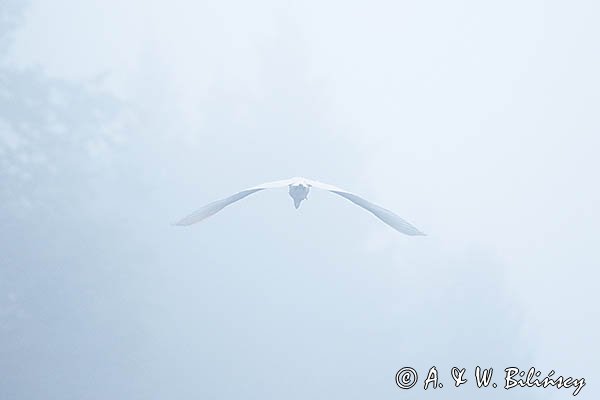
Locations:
{"points": [[476, 122]]}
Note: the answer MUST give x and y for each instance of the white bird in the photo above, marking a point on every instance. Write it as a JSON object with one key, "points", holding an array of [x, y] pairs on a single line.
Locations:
{"points": [[298, 190]]}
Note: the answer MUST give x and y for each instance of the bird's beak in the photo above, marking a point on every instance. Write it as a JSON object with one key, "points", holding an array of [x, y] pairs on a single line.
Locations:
{"points": [[297, 203]]}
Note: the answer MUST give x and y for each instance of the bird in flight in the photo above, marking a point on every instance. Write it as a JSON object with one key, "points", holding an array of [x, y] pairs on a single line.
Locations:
{"points": [[298, 190]]}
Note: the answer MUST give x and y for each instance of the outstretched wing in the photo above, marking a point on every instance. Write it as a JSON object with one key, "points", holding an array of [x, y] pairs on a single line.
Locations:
{"points": [[385, 215], [216, 206]]}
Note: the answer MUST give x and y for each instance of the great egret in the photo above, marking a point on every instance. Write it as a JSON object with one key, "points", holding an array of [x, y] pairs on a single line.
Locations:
{"points": [[298, 190]]}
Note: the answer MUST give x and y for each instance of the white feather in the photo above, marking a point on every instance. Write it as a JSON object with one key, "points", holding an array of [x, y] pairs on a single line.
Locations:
{"points": [[383, 214]]}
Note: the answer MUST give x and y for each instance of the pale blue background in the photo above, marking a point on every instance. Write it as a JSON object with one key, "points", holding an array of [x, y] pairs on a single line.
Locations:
{"points": [[477, 121]]}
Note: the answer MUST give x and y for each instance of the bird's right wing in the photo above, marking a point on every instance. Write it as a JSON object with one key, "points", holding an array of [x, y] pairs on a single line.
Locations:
{"points": [[216, 206], [383, 214]]}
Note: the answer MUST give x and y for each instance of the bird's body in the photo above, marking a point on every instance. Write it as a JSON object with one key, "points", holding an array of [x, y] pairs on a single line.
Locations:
{"points": [[298, 190]]}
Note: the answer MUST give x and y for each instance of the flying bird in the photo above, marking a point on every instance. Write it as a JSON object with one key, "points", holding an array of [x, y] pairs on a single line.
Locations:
{"points": [[298, 190]]}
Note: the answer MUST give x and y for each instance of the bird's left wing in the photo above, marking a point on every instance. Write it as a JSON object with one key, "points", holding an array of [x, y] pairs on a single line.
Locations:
{"points": [[216, 206], [383, 214]]}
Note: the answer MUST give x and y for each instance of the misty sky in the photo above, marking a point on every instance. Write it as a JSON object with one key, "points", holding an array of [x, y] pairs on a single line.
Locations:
{"points": [[477, 122]]}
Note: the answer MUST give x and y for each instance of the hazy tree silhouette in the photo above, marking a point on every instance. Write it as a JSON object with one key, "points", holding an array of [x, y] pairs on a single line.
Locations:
{"points": [[51, 134]]}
